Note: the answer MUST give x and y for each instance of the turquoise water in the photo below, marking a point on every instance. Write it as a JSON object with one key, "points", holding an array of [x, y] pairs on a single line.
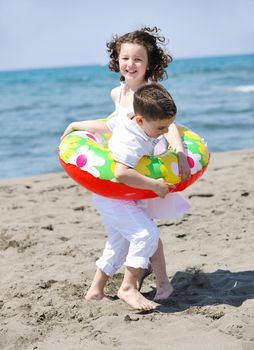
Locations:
{"points": [[214, 96]]}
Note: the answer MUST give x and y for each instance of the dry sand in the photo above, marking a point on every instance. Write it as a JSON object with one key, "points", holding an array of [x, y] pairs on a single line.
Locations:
{"points": [[51, 236]]}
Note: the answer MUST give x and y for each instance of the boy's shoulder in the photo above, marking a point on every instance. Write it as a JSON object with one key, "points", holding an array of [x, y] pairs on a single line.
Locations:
{"points": [[128, 139], [128, 131]]}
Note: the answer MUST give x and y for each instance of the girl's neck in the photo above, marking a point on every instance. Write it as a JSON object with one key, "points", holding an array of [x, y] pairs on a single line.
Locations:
{"points": [[133, 86]]}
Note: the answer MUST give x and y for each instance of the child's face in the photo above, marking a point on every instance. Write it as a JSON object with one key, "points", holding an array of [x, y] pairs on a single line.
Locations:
{"points": [[133, 61], [154, 128]]}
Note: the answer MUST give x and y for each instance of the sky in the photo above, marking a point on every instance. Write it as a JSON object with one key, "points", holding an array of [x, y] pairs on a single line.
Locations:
{"points": [[56, 33]]}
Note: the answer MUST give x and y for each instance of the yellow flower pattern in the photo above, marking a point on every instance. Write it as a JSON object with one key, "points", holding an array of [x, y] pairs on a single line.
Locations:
{"points": [[142, 166]]}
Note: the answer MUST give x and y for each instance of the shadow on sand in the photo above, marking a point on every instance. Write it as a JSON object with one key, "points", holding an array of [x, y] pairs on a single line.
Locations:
{"points": [[195, 288]]}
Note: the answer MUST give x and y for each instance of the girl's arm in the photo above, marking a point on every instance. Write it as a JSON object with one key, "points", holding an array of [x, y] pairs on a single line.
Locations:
{"points": [[174, 139], [114, 93], [132, 178], [111, 115], [87, 125], [92, 125]]}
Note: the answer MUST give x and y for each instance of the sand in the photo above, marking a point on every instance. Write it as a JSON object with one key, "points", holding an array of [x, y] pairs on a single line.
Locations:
{"points": [[51, 236]]}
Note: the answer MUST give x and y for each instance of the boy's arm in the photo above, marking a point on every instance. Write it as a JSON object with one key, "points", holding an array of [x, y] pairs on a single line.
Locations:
{"points": [[132, 178], [87, 125], [174, 139]]}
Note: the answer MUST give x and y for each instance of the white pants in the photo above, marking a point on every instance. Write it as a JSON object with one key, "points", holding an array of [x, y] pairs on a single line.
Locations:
{"points": [[132, 235]]}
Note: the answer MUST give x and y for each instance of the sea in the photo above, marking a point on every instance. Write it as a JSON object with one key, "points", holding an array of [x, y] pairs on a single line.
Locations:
{"points": [[214, 97]]}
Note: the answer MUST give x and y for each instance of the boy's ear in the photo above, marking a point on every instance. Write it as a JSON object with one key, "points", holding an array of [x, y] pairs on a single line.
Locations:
{"points": [[139, 119]]}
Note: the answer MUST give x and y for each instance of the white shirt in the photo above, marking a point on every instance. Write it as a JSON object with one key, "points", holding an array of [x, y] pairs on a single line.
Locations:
{"points": [[129, 142]]}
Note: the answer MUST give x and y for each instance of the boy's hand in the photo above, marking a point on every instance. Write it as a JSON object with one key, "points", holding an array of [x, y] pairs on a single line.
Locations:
{"points": [[183, 165], [161, 187]]}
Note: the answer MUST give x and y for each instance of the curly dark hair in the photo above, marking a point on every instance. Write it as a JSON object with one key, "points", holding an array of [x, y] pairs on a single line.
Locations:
{"points": [[158, 59]]}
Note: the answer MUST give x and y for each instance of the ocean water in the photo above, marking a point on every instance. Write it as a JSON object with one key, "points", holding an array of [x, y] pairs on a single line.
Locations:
{"points": [[214, 96]]}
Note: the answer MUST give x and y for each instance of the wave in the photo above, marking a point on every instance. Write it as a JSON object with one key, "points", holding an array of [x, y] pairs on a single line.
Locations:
{"points": [[243, 88]]}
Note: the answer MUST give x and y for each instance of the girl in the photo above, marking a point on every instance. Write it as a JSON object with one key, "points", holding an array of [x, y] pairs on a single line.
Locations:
{"points": [[139, 58]]}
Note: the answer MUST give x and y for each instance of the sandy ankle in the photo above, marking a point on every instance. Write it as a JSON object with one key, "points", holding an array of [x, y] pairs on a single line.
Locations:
{"points": [[96, 296], [164, 293]]}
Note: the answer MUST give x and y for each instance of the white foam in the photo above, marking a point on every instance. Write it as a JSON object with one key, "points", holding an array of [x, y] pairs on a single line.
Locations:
{"points": [[244, 88]]}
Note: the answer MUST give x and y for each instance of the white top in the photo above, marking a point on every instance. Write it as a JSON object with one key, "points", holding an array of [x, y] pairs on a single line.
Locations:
{"points": [[124, 111], [121, 110], [129, 142]]}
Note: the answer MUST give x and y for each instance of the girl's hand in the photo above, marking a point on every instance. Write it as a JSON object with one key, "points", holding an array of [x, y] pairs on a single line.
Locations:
{"points": [[183, 165], [69, 129], [87, 125]]}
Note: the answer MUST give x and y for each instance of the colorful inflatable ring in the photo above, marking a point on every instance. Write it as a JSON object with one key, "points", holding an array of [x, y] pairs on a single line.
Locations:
{"points": [[85, 157]]}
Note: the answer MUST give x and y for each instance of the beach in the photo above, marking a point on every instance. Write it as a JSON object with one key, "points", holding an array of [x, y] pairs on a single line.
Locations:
{"points": [[51, 236]]}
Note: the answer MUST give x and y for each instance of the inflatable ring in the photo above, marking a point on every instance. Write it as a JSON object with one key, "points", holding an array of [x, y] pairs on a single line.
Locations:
{"points": [[85, 157]]}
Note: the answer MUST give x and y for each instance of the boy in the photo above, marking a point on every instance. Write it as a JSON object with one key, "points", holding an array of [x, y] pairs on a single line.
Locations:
{"points": [[133, 238]]}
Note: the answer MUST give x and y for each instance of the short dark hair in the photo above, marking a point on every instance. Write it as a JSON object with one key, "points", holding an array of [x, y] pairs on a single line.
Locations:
{"points": [[153, 102]]}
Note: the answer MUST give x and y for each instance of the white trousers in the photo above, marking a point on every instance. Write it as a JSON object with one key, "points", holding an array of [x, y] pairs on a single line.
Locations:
{"points": [[132, 235]]}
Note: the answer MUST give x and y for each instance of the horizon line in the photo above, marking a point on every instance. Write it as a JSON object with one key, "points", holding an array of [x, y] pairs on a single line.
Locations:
{"points": [[78, 65]]}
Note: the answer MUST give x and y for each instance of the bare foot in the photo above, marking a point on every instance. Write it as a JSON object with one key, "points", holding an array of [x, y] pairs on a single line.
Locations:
{"points": [[135, 299], [95, 295], [163, 291]]}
